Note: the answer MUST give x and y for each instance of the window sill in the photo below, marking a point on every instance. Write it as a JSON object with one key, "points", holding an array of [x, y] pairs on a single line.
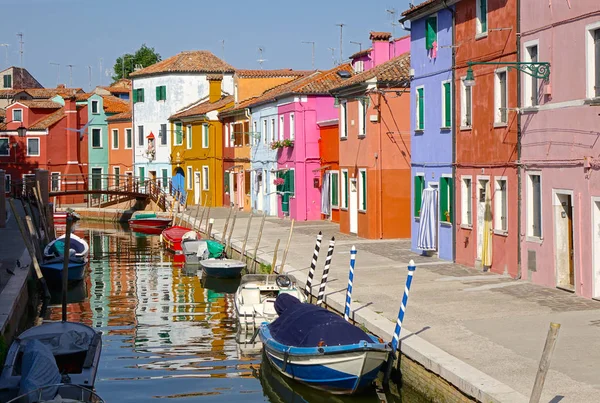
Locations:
{"points": [[95, 113], [535, 239], [467, 227], [343, 138], [481, 35], [32, 155], [98, 147], [530, 109], [417, 219], [466, 128], [419, 131], [335, 208], [362, 136], [362, 211], [500, 232], [500, 124], [344, 208], [446, 224], [445, 128]]}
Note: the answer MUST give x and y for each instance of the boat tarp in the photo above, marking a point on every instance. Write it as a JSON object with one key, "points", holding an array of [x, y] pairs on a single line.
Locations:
{"points": [[58, 246], [38, 369], [142, 216], [307, 325], [69, 342], [215, 249]]}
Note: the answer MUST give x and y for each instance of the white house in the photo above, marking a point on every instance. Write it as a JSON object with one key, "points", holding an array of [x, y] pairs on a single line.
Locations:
{"points": [[161, 90]]}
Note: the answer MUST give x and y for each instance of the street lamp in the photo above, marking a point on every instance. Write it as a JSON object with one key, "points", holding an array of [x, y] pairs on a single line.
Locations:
{"points": [[469, 80], [21, 131], [539, 70]]}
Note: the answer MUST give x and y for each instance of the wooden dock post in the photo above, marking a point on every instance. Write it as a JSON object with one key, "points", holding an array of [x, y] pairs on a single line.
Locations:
{"points": [[246, 236], [202, 215], [540, 378], [65, 270], [262, 224], [226, 224], [196, 226], [287, 247], [231, 233], [209, 230], [207, 218], [274, 263]]}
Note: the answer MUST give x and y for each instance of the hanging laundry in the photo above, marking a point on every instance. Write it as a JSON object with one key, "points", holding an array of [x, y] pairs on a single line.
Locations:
{"points": [[434, 50]]}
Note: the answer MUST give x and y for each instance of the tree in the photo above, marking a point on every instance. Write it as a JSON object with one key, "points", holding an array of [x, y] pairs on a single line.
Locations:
{"points": [[125, 64]]}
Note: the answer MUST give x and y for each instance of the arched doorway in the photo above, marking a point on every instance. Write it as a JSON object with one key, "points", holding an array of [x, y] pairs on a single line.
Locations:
{"points": [[178, 181]]}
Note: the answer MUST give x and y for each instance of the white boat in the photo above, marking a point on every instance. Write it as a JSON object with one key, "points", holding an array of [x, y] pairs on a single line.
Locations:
{"points": [[59, 393], [255, 297], [79, 249]]}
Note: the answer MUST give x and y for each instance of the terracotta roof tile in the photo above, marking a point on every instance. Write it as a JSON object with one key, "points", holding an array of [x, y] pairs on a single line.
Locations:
{"points": [[37, 104], [216, 77], [21, 78], [418, 7], [83, 97], [202, 107], [45, 93], [247, 73], [125, 116], [273, 93], [113, 104], [361, 53], [324, 82], [2, 113], [48, 121], [380, 36], [395, 71], [199, 61], [122, 86]]}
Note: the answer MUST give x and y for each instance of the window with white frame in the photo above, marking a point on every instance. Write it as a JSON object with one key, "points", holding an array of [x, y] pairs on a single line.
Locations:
{"points": [[165, 178], [226, 134], [97, 138], [359, 66], [55, 181], [446, 104], [128, 139], [292, 127], [205, 178], [117, 176], [281, 127], [362, 189], [265, 134], [4, 147], [95, 107], [466, 105], [141, 136], [501, 205], [534, 204], [188, 137], [115, 139], [593, 59], [7, 183], [255, 133], [482, 16], [162, 135], [420, 109], [467, 201], [501, 97], [334, 189], [344, 188], [273, 134], [531, 84], [343, 120], [362, 116], [232, 142], [190, 180], [205, 136], [178, 140], [17, 115], [33, 147]]}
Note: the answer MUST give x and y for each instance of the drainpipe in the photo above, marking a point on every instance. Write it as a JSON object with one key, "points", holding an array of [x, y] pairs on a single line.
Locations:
{"points": [[519, 179], [380, 174]]}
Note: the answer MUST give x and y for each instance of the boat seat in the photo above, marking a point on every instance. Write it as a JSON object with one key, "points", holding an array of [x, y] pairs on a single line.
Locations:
{"points": [[250, 295], [290, 291], [269, 307]]}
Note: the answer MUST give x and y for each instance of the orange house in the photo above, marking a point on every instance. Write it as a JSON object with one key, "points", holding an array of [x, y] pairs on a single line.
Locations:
{"points": [[374, 152], [120, 156]]}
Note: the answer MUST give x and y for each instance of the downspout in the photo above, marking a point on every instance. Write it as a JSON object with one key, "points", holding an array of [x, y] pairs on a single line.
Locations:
{"points": [[519, 179], [380, 174]]}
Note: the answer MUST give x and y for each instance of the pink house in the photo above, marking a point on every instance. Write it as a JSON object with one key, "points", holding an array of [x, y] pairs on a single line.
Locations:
{"points": [[382, 50], [300, 111], [560, 174]]}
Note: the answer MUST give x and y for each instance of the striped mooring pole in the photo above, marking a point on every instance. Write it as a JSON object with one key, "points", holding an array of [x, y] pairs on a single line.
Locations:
{"points": [[326, 271], [313, 265], [396, 338], [350, 280]]}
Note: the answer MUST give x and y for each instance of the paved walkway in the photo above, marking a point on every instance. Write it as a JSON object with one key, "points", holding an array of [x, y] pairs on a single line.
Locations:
{"points": [[493, 323]]}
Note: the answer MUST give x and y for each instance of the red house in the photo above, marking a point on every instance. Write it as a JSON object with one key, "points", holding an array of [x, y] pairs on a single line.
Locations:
{"points": [[45, 143]]}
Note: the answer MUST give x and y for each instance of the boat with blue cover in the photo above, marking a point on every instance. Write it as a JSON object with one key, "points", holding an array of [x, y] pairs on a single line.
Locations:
{"points": [[319, 348], [53, 262]]}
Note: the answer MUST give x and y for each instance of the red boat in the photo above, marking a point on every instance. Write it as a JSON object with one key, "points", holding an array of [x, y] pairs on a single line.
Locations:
{"points": [[172, 237], [149, 223], [60, 217]]}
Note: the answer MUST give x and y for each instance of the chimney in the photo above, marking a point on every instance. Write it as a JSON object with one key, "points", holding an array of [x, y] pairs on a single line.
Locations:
{"points": [[61, 86], [72, 137], [214, 87], [381, 47]]}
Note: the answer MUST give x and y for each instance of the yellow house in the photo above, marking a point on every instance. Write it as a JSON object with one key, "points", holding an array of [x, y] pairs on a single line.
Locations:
{"points": [[197, 147]]}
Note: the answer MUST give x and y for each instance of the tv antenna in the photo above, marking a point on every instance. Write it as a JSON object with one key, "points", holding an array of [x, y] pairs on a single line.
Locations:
{"points": [[6, 45], [20, 35], [70, 66], [341, 25], [100, 71], [332, 55], [58, 72], [90, 76], [260, 60], [222, 48], [313, 51], [359, 45]]}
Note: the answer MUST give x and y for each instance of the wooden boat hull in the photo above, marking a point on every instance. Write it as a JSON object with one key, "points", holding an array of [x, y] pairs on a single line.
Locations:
{"points": [[172, 237], [52, 271], [156, 222]]}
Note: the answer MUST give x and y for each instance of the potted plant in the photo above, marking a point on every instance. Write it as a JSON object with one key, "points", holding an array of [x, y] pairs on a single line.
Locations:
{"points": [[447, 215], [278, 181], [288, 143], [276, 145]]}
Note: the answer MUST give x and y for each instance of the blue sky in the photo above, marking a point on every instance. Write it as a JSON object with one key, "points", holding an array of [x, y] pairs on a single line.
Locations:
{"points": [[80, 32]]}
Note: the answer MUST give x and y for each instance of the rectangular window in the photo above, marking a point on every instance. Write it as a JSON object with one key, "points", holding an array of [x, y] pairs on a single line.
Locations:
{"points": [[334, 178], [446, 199], [281, 123], [33, 147], [596, 61], [178, 134], [482, 16], [188, 137], [165, 178], [273, 130], [362, 189], [446, 105], [141, 136], [531, 83], [265, 134], [4, 147], [128, 139], [205, 136], [161, 93], [117, 175], [420, 115], [255, 133], [55, 181], [190, 179], [97, 138], [226, 134], [343, 120], [95, 107], [17, 115], [345, 188], [534, 205], [467, 201], [362, 116], [142, 172], [501, 97], [419, 186], [246, 133], [138, 95], [501, 206], [430, 32], [162, 135], [7, 183], [115, 139], [292, 127], [466, 105], [205, 178], [7, 81]]}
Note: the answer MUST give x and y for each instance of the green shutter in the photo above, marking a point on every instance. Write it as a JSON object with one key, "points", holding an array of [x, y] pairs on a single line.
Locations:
{"points": [[483, 11], [289, 181], [443, 199], [430, 32], [135, 96], [142, 175], [334, 189], [363, 174], [451, 198], [420, 107], [165, 178], [7, 81], [447, 105], [418, 189], [164, 92], [158, 92], [178, 134], [141, 95], [226, 182]]}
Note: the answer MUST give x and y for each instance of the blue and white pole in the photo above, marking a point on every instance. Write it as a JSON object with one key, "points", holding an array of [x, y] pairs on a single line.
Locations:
{"points": [[313, 265], [350, 280], [325, 274], [396, 338]]}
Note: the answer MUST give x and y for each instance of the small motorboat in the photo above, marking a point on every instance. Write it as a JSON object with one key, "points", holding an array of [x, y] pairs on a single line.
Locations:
{"points": [[222, 268], [210, 255], [319, 348], [76, 393], [60, 217], [53, 262], [254, 299], [193, 248], [144, 222], [53, 353], [173, 236]]}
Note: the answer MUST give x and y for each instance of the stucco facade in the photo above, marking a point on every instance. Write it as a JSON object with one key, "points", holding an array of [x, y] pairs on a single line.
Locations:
{"points": [[263, 161], [559, 143], [98, 150], [329, 150], [120, 156]]}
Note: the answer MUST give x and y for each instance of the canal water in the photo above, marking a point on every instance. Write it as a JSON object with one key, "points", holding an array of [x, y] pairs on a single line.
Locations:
{"points": [[168, 333]]}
